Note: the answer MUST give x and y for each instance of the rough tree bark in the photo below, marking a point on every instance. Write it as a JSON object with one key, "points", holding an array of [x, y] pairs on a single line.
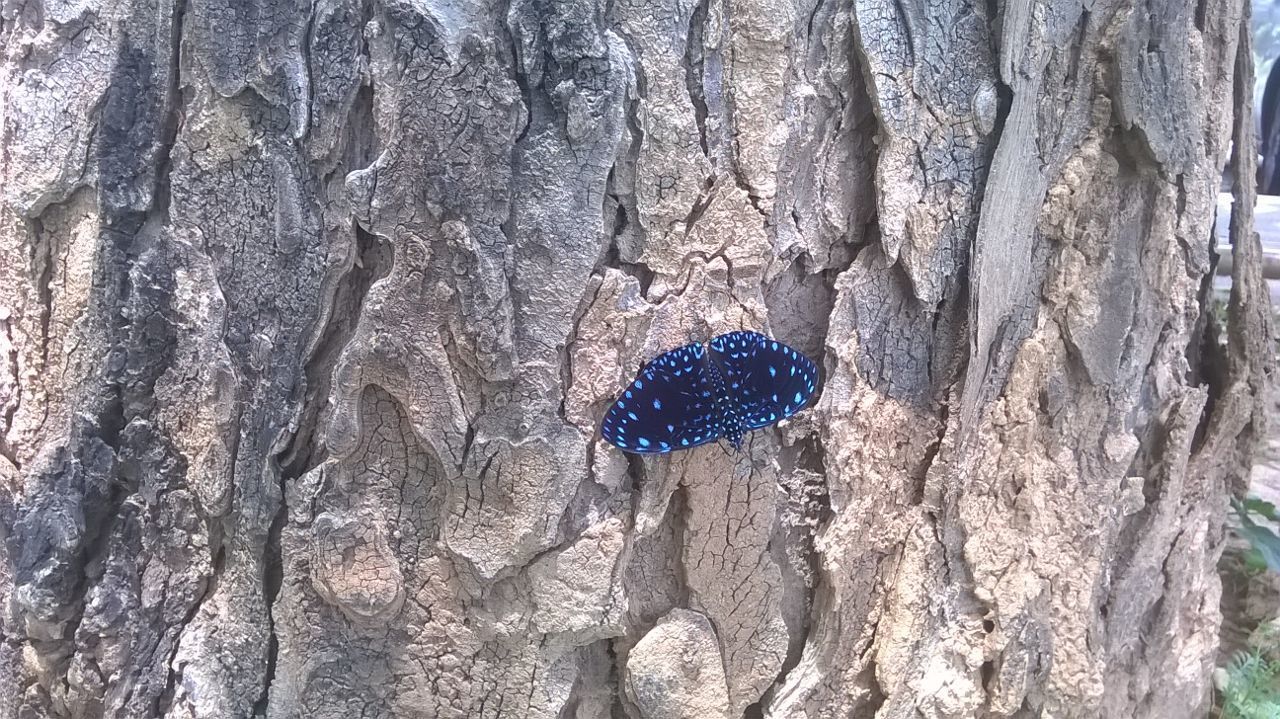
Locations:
{"points": [[310, 310]]}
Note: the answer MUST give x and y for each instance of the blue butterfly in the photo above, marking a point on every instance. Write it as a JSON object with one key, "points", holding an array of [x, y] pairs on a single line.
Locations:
{"points": [[697, 394]]}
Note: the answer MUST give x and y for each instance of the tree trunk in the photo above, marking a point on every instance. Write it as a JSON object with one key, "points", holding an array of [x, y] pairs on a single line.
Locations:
{"points": [[310, 313]]}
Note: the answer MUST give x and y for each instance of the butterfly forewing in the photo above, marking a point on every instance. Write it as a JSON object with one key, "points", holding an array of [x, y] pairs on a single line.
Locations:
{"points": [[767, 380], [669, 406]]}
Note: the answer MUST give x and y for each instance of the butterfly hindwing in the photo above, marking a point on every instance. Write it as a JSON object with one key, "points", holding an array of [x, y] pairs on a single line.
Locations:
{"points": [[767, 380], [670, 405]]}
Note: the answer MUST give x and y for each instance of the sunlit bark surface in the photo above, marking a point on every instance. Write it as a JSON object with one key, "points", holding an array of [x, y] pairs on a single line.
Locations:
{"points": [[309, 313]]}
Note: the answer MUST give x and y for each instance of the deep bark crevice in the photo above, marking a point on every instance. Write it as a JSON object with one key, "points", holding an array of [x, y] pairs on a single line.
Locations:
{"points": [[272, 581], [42, 257], [371, 262], [526, 93], [693, 65], [164, 700]]}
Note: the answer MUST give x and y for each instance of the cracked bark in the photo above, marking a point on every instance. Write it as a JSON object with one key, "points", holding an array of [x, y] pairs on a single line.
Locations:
{"points": [[310, 311]]}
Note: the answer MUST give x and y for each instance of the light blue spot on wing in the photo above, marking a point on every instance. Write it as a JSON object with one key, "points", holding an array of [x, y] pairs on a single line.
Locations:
{"points": [[657, 403], [633, 416], [798, 400], [642, 441]]}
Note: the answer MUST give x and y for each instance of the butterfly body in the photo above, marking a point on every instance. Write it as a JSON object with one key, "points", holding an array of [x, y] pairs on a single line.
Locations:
{"points": [[697, 394], [730, 422]]}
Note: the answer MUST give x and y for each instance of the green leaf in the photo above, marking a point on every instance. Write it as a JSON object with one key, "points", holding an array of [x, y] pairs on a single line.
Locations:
{"points": [[1248, 686], [1263, 539], [1262, 507], [1254, 562]]}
